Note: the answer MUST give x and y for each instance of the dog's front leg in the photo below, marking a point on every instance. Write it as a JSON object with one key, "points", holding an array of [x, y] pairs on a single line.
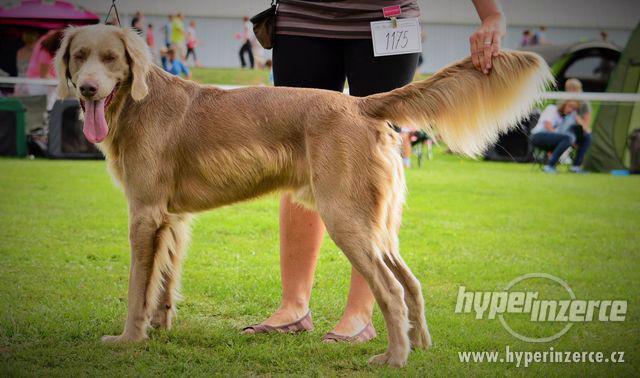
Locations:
{"points": [[145, 276], [175, 235]]}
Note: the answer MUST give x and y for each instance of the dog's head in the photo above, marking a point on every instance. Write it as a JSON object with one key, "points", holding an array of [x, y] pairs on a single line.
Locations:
{"points": [[97, 60]]}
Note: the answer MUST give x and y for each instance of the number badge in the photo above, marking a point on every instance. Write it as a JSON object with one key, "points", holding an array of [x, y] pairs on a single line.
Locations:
{"points": [[390, 40]]}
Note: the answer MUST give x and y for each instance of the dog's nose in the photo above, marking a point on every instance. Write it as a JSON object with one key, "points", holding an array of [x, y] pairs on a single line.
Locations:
{"points": [[88, 90]]}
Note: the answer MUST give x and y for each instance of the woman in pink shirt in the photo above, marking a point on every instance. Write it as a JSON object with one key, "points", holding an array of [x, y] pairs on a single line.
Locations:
{"points": [[151, 39], [41, 62]]}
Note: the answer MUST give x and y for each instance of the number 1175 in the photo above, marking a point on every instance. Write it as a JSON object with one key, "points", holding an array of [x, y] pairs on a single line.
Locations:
{"points": [[397, 39]]}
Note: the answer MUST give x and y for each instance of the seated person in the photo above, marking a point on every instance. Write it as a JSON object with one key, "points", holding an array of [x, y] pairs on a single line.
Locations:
{"points": [[172, 64], [557, 129], [583, 114]]}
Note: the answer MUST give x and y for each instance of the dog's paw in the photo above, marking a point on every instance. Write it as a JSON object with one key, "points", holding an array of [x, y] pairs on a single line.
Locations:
{"points": [[419, 339], [387, 359], [121, 339], [162, 318], [160, 323]]}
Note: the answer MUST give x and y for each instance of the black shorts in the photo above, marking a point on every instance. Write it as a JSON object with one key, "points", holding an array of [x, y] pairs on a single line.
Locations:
{"points": [[324, 63], [191, 51]]}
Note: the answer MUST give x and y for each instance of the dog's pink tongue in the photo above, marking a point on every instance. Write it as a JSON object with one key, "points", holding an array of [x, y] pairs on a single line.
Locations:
{"points": [[95, 125]]}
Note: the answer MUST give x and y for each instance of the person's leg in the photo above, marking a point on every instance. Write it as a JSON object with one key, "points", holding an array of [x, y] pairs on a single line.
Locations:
{"points": [[243, 63], [544, 141], [246, 50], [301, 234], [368, 75], [252, 62], [406, 147], [309, 63], [563, 142], [584, 141], [195, 57], [558, 143]]}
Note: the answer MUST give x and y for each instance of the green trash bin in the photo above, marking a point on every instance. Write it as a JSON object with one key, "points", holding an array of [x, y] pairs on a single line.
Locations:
{"points": [[13, 141]]}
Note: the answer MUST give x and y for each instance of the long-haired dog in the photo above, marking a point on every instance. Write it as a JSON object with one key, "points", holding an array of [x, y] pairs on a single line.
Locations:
{"points": [[177, 148]]}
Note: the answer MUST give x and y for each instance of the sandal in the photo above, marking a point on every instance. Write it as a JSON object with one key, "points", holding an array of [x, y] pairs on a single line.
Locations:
{"points": [[366, 334], [304, 324]]}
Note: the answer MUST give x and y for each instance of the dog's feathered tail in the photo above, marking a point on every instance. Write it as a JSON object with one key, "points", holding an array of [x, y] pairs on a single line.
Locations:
{"points": [[467, 108]]}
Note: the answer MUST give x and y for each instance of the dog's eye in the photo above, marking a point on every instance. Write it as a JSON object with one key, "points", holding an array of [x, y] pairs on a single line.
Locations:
{"points": [[78, 56], [108, 58]]}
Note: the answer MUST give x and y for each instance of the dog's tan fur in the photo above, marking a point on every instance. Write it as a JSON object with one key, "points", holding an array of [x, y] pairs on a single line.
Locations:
{"points": [[177, 148]]}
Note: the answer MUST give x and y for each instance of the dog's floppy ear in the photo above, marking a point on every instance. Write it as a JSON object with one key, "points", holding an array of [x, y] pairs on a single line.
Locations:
{"points": [[62, 63], [139, 59]]}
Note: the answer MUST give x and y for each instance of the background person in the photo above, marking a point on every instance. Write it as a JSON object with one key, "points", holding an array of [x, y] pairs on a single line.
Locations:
{"points": [[526, 38], [166, 31], [581, 129], [137, 22], [540, 37], [172, 63], [151, 40], [192, 42], [553, 132], [178, 37], [405, 134], [310, 53], [41, 62], [23, 58], [246, 38], [583, 115]]}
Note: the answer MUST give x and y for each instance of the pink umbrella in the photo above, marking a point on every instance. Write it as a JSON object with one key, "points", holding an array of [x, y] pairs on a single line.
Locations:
{"points": [[45, 14]]}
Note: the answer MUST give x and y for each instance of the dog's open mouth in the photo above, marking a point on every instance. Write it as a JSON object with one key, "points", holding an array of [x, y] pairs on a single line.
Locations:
{"points": [[95, 124]]}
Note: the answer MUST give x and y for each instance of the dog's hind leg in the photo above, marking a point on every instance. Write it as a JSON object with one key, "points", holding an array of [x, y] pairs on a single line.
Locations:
{"points": [[355, 226], [353, 180], [178, 239], [149, 258], [419, 332], [357, 241]]}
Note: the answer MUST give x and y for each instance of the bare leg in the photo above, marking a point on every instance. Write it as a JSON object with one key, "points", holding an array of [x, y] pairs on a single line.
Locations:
{"points": [[406, 148], [359, 309], [301, 233]]}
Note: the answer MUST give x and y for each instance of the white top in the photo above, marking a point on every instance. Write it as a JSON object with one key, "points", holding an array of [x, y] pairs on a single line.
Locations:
{"points": [[550, 114]]}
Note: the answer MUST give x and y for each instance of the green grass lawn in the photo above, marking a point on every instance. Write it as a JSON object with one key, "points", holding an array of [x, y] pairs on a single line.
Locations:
{"points": [[64, 263], [238, 76]]}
